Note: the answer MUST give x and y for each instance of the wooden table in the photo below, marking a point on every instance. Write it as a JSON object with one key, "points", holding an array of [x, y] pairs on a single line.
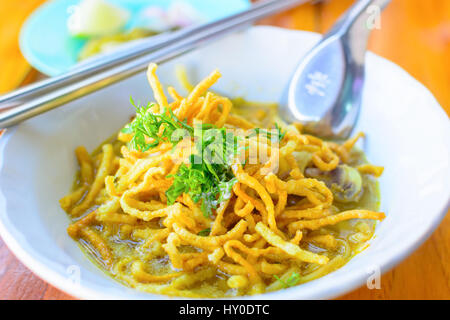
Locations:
{"points": [[414, 34]]}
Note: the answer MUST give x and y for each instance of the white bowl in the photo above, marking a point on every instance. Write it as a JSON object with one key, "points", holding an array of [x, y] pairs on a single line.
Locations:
{"points": [[407, 132]]}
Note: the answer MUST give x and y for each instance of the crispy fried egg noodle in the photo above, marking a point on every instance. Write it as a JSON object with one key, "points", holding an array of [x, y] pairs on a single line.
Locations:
{"points": [[299, 207]]}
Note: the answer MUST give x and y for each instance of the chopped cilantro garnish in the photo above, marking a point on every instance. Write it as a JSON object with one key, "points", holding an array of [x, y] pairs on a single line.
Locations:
{"points": [[208, 176], [147, 124]]}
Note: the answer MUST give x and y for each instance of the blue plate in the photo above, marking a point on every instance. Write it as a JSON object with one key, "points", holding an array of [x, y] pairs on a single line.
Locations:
{"points": [[46, 44]]}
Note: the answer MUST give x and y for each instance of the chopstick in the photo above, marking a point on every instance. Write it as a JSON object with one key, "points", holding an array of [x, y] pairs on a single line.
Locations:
{"points": [[51, 93]]}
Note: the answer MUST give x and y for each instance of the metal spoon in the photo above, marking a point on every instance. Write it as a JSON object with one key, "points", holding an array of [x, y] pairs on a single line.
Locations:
{"points": [[325, 91]]}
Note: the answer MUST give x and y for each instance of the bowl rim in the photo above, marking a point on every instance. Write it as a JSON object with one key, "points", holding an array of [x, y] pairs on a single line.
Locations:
{"points": [[345, 283]]}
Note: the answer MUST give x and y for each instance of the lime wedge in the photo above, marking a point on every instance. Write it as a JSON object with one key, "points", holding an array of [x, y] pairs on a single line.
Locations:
{"points": [[96, 18]]}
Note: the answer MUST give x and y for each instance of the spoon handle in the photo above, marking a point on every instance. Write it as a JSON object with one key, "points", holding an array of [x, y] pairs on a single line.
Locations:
{"points": [[356, 25]]}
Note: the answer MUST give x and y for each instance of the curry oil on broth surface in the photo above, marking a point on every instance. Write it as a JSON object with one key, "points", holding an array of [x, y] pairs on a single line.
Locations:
{"points": [[351, 236]]}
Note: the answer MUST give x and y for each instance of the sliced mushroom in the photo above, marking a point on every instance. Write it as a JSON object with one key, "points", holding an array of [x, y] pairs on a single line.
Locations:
{"points": [[345, 182]]}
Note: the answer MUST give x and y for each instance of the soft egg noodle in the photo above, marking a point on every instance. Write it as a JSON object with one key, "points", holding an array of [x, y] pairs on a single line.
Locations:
{"points": [[283, 225]]}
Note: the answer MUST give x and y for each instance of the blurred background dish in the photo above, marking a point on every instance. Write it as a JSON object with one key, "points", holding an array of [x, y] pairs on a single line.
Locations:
{"points": [[62, 32]]}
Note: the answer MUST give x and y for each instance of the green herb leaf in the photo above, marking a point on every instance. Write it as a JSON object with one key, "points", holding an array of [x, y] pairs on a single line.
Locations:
{"points": [[208, 178], [258, 131], [291, 281], [147, 125], [205, 232], [281, 134]]}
